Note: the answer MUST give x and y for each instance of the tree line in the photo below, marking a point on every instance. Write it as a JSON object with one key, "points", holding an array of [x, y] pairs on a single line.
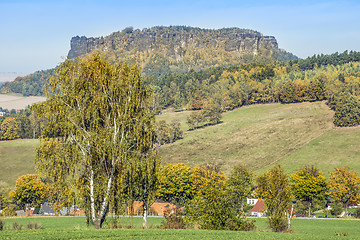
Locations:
{"points": [[212, 200], [23, 124], [272, 82]]}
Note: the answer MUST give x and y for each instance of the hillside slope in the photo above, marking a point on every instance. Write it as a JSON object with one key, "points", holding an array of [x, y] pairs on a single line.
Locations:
{"points": [[257, 136], [260, 136], [16, 159]]}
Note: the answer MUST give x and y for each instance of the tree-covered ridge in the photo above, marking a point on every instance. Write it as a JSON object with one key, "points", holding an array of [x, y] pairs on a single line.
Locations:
{"points": [[29, 85], [323, 60]]}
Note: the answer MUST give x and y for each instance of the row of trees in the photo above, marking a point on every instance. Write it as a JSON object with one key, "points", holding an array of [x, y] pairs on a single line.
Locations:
{"points": [[20, 125], [215, 201], [309, 187]]}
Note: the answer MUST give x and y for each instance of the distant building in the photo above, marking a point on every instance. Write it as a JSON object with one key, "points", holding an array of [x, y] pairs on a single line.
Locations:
{"points": [[251, 201], [259, 209], [74, 210], [158, 208]]}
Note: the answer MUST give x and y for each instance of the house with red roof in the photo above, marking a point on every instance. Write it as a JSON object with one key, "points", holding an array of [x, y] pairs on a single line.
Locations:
{"points": [[259, 209]]}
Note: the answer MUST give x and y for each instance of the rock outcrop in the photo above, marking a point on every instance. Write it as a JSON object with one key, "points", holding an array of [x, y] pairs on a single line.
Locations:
{"points": [[175, 40]]}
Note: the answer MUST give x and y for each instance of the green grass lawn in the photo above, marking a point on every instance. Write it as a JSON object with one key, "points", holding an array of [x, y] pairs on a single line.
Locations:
{"points": [[75, 228]]}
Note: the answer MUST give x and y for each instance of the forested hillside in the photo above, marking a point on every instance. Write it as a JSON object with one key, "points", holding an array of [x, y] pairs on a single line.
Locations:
{"points": [[335, 78], [29, 85]]}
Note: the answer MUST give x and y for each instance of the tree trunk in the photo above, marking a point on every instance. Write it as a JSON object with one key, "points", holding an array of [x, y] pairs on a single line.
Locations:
{"points": [[98, 221], [145, 209], [346, 207], [27, 209], [92, 197], [290, 216], [309, 209]]}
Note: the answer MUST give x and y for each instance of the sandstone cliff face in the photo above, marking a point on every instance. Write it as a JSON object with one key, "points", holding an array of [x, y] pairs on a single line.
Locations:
{"points": [[175, 41]]}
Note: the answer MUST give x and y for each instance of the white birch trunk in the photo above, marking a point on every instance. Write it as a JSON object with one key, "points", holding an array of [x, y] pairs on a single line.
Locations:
{"points": [[92, 198], [145, 209]]}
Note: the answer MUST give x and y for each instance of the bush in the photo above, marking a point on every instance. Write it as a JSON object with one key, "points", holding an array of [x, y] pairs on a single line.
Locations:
{"points": [[2, 223], [34, 225], [347, 112], [173, 220], [114, 224], [17, 226], [336, 209], [238, 224], [278, 223], [357, 213], [9, 211]]}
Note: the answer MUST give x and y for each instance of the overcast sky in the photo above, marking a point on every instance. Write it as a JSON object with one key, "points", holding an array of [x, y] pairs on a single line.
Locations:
{"points": [[35, 35]]}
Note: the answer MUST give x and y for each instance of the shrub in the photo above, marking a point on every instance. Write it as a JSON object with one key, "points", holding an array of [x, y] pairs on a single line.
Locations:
{"points": [[2, 223], [347, 112], [17, 226], [239, 224], [34, 225], [357, 213], [9, 211], [114, 224], [173, 220], [278, 223], [336, 209]]}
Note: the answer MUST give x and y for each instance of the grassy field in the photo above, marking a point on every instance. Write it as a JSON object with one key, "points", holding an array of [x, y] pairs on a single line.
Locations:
{"points": [[75, 228], [16, 101], [16, 159], [257, 136], [260, 136]]}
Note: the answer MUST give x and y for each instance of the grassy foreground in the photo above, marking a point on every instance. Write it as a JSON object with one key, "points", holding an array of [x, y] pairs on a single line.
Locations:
{"points": [[75, 228]]}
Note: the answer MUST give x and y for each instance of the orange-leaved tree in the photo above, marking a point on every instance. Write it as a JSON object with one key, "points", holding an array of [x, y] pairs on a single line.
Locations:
{"points": [[29, 191], [344, 186]]}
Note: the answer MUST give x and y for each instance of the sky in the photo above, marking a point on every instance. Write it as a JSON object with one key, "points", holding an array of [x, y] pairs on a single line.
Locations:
{"points": [[35, 34]]}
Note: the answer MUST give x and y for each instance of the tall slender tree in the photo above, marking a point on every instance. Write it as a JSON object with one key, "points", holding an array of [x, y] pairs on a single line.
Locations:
{"points": [[273, 186], [99, 113]]}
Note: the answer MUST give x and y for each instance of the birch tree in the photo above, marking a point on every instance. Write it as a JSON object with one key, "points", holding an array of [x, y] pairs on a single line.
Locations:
{"points": [[97, 113], [274, 188]]}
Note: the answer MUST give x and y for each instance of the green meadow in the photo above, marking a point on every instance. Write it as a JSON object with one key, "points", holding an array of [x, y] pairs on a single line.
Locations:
{"points": [[260, 136], [17, 158], [75, 228]]}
